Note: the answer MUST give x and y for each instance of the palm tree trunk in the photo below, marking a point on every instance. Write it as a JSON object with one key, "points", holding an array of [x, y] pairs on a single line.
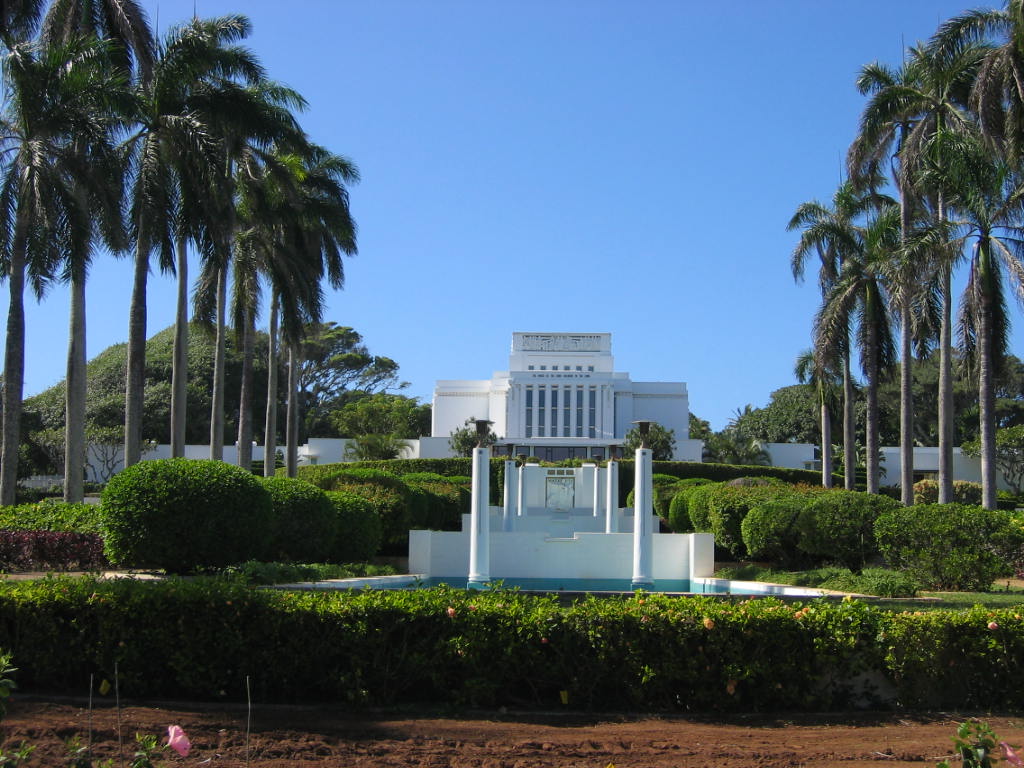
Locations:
{"points": [[849, 428], [986, 387], [826, 446], [179, 365], [217, 396], [14, 373], [74, 413], [136, 379], [946, 436], [245, 398], [906, 409], [270, 429], [292, 419], [871, 410]]}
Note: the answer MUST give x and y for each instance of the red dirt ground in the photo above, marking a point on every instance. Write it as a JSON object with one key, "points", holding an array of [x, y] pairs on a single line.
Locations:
{"points": [[327, 737]]}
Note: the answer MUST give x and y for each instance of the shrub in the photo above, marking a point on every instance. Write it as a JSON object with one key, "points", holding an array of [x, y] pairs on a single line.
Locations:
{"points": [[840, 526], [391, 499], [964, 492], [445, 500], [720, 509], [879, 582], [179, 514], [305, 522], [679, 508], [358, 535], [770, 532], [948, 546], [665, 487], [52, 516]]}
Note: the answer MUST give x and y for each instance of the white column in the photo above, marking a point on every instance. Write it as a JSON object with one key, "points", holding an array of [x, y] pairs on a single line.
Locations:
{"points": [[508, 500], [597, 491], [643, 543], [521, 491], [611, 501], [480, 520]]}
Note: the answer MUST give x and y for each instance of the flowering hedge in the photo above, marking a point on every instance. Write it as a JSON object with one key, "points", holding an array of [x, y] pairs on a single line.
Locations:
{"points": [[199, 639], [50, 550]]}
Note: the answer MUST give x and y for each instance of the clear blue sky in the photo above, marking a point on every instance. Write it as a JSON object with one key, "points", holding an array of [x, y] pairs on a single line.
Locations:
{"points": [[562, 165]]}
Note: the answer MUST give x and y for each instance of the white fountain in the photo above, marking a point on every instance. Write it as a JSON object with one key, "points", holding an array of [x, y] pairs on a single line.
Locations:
{"points": [[562, 524]]}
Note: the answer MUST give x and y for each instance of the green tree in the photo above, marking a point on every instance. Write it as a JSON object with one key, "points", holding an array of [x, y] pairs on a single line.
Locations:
{"points": [[791, 416], [735, 444], [464, 439], [814, 375], [1009, 456], [59, 99], [660, 440], [371, 447], [186, 106], [382, 414], [987, 197], [861, 292], [336, 367], [831, 232], [124, 24]]}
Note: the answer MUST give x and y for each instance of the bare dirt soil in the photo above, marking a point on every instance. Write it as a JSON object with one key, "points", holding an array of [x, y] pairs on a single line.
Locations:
{"points": [[324, 736]]}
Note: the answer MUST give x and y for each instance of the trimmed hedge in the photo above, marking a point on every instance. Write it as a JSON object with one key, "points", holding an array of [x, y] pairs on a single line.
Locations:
{"points": [[200, 639], [359, 531], [181, 514], [964, 492], [839, 526], [52, 516], [445, 500], [305, 523]]}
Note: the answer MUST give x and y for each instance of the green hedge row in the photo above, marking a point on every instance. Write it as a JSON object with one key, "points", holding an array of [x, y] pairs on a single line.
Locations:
{"points": [[200, 639]]}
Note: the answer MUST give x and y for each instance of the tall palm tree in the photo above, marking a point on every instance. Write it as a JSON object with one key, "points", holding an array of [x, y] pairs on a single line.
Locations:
{"points": [[811, 370], [831, 232], [123, 22], [294, 226], [179, 166], [59, 100], [860, 293], [908, 111], [987, 198]]}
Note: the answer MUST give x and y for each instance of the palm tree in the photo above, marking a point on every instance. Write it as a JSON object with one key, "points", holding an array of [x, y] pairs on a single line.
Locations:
{"points": [[987, 197], [909, 109], [59, 101], [811, 370], [294, 226], [179, 166], [124, 23], [831, 232], [861, 292], [997, 96]]}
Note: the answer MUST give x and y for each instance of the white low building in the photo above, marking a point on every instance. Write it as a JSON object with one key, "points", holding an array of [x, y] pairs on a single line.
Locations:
{"points": [[562, 398]]}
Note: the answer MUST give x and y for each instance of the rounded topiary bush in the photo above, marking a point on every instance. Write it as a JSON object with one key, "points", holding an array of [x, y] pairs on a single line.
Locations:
{"points": [[949, 546], [358, 528], [305, 522], [179, 514], [770, 532], [839, 526]]}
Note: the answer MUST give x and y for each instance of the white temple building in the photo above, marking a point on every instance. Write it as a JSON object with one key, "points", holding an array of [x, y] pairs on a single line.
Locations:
{"points": [[562, 398]]}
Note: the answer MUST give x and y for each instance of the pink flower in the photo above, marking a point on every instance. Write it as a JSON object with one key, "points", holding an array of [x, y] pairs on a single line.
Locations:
{"points": [[993, 626], [451, 612], [178, 741], [1010, 755]]}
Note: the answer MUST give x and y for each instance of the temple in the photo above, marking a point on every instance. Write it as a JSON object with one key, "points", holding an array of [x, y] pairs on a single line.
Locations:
{"points": [[562, 398]]}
